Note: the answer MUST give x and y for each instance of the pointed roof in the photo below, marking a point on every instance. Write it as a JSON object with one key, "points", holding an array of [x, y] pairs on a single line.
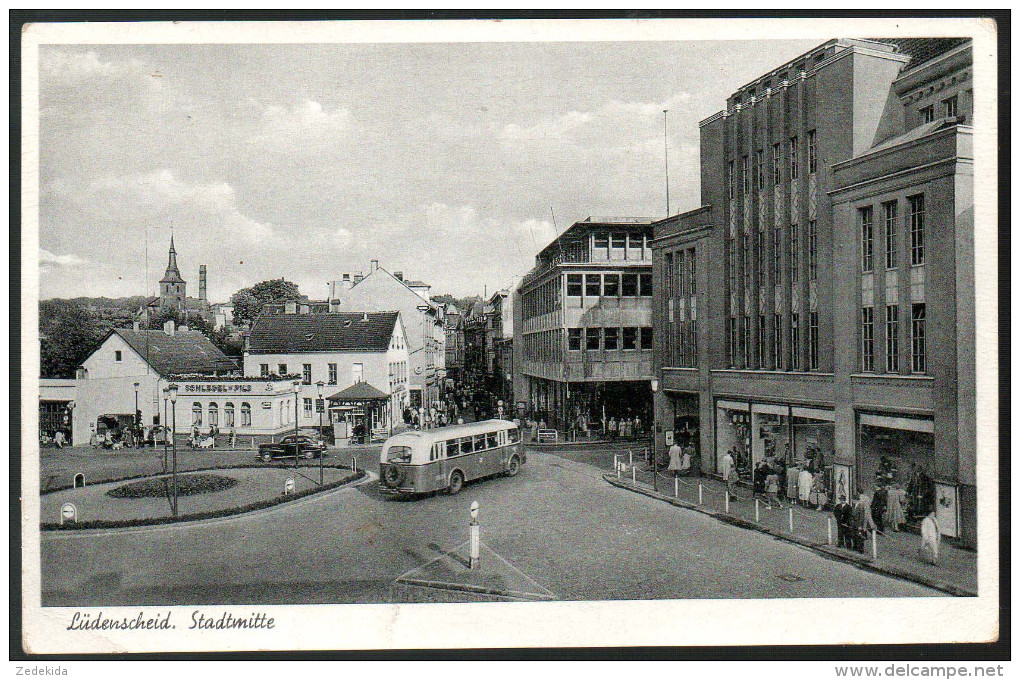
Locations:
{"points": [[173, 274], [360, 391], [333, 332], [184, 352]]}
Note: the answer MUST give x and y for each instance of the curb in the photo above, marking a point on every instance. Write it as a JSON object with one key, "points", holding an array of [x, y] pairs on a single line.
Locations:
{"points": [[468, 588], [587, 442], [822, 548]]}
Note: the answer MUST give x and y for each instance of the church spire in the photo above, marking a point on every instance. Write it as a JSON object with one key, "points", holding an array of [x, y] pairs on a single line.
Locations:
{"points": [[173, 274]]}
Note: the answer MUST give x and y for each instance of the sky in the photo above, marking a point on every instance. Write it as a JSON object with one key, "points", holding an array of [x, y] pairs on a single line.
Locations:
{"points": [[453, 163]]}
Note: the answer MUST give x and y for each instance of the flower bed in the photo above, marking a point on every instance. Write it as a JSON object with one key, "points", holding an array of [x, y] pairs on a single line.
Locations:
{"points": [[187, 485]]}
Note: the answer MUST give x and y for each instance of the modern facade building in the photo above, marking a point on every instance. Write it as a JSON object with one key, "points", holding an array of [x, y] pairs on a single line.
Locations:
{"points": [[422, 320], [820, 305], [583, 325], [341, 350]]}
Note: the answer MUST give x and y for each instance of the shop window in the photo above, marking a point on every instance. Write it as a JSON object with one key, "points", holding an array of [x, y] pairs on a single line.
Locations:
{"points": [[646, 337], [919, 362], [646, 285], [196, 414], [593, 285], [630, 285], [612, 338], [575, 285], [214, 414], [733, 436], [900, 451], [611, 285], [228, 414], [592, 338], [574, 339], [630, 337], [245, 414]]}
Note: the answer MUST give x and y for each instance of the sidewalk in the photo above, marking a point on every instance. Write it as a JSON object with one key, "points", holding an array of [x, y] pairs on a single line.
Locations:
{"points": [[898, 552]]}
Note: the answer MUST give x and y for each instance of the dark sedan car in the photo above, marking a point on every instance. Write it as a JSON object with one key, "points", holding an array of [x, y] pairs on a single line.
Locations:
{"points": [[307, 447]]}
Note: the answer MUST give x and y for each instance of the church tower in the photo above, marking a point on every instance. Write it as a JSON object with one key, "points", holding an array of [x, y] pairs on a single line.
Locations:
{"points": [[172, 286]]}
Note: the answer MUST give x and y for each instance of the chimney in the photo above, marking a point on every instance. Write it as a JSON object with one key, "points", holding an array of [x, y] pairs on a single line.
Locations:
{"points": [[375, 264], [399, 276], [357, 278], [135, 325], [364, 316], [334, 306], [170, 328], [304, 309], [202, 283], [290, 307], [183, 329]]}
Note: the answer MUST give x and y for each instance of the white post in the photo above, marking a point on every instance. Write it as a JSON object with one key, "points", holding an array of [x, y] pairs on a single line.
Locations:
{"points": [[475, 530], [701, 500], [631, 454], [757, 512], [619, 469], [874, 545], [676, 487], [633, 474], [828, 530], [791, 520], [616, 462], [727, 492]]}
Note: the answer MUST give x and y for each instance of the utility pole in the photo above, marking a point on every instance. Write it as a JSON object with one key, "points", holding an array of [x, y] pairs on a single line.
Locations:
{"points": [[665, 148]]}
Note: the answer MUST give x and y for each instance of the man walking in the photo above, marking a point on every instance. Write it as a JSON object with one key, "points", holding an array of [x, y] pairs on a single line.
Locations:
{"points": [[729, 472]]}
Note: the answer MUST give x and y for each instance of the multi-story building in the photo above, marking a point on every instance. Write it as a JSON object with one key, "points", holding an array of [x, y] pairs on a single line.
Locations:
{"points": [[453, 323], [380, 290], [341, 350], [820, 304], [583, 324]]}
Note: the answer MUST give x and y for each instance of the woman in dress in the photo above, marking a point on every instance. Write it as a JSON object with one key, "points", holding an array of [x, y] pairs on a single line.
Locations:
{"points": [[804, 481], [895, 514], [931, 537]]}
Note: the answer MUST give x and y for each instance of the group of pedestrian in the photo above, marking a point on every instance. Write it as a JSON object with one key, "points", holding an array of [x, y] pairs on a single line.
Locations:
{"points": [[625, 428], [876, 511], [682, 460]]}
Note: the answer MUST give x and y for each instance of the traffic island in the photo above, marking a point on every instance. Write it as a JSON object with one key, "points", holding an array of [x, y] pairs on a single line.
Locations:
{"points": [[450, 578], [201, 495]]}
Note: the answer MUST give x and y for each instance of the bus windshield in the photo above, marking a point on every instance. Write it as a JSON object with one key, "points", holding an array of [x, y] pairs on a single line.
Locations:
{"points": [[399, 454]]}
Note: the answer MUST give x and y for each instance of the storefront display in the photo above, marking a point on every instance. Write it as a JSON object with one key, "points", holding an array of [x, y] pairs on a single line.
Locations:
{"points": [[733, 435], [898, 451]]}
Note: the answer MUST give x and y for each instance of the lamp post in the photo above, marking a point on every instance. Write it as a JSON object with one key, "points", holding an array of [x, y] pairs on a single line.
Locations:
{"points": [[319, 385], [166, 418], [297, 449], [655, 389], [138, 420], [173, 433], [424, 309]]}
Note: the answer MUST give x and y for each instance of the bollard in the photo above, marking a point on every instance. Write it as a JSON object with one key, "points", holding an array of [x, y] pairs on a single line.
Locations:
{"points": [[727, 494], [633, 474], [475, 529], [874, 545], [619, 470], [68, 513], [828, 530], [791, 520], [354, 463], [616, 462], [700, 498], [631, 454], [757, 512], [676, 487], [288, 486]]}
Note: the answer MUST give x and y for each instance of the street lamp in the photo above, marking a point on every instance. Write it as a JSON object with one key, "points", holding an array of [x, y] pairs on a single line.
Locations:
{"points": [[297, 391], [320, 406], [173, 433], [655, 389], [138, 419], [166, 418]]}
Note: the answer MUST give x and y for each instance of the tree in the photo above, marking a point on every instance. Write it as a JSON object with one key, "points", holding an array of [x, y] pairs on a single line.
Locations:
{"points": [[248, 302], [68, 333]]}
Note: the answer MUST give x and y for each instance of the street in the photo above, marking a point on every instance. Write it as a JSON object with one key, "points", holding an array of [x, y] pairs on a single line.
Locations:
{"points": [[558, 522]]}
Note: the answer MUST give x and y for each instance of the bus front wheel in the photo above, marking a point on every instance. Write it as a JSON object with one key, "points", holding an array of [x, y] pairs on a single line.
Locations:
{"points": [[514, 467], [456, 482]]}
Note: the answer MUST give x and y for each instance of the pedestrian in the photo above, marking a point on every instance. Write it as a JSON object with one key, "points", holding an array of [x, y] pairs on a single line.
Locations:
{"points": [[804, 482], [59, 440], [841, 512], [772, 488], [213, 432], [792, 479], [612, 428], [931, 538], [895, 515], [729, 472], [861, 521], [675, 459], [879, 502]]}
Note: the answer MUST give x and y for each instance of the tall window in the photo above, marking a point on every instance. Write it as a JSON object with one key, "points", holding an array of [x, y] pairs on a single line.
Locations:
{"points": [[574, 339], [813, 341], [731, 341], [593, 285], [777, 255], [306, 374], [794, 252], [891, 244], [306, 404], [812, 153], [692, 266], [777, 341], [630, 285], [646, 337], [794, 170], [611, 285], [747, 342], [892, 338], [867, 238], [867, 339], [196, 414], [759, 161], [693, 339], [916, 228], [645, 281], [357, 373], [759, 247], [611, 341], [812, 250], [592, 338], [228, 414], [630, 337], [950, 107], [730, 183], [214, 414], [926, 114], [245, 414], [332, 374], [762, 343], [745, 174], [746, 245], [777, 171], [918, 363], [795, 342], [731, 263]]}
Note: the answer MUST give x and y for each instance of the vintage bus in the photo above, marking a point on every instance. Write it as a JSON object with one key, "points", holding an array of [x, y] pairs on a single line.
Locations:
{"points": [[422, 461]]}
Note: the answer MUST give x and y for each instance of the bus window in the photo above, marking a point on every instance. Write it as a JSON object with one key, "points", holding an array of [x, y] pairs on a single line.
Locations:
{"points": [[479, 442], [465, 445], [437, 450], [399, 454], [452, 448], [513, 435], [490, 440]]}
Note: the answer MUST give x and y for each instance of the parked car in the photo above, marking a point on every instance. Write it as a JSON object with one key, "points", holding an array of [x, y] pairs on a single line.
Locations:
{"points": [[307, 447]]}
